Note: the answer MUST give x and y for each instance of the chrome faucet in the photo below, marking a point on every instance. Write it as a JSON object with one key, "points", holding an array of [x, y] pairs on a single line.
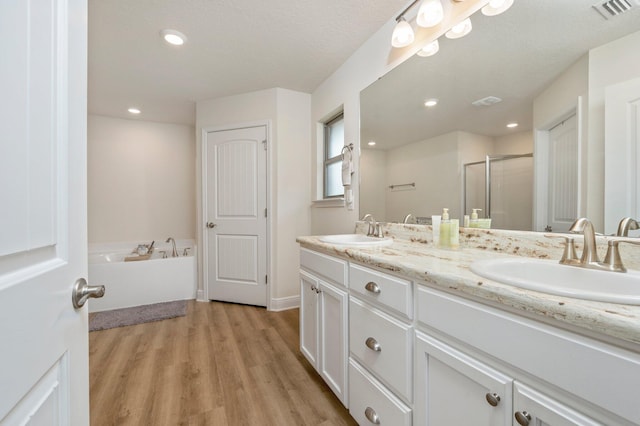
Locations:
{"points": [[174, 252], [407, 217], [374, 227], [589, 251], [626, 225]]}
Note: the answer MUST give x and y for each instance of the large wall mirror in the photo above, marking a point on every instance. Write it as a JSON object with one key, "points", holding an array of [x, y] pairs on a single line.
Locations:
{"points": [[548, 66]]}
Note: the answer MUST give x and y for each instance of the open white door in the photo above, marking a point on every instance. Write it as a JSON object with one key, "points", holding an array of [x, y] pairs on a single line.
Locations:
{"points": [[43, 218], [621, 153], [236, 212]]}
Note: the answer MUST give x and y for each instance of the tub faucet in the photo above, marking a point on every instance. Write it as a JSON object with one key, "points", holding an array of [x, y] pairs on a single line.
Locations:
{"points": [[174, 252], [626, 225]]}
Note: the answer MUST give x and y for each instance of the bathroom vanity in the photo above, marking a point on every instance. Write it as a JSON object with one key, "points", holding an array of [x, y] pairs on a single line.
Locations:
{"points": [[407, 334]]}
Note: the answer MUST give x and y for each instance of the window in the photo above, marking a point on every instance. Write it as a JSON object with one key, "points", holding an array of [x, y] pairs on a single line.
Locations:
{"points": [[333, 144]]}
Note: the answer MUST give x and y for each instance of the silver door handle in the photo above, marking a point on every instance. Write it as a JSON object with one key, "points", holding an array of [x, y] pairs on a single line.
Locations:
{"points": [[372, 416], [211, 225], [373, 344], [82, 291], [372, 287]]}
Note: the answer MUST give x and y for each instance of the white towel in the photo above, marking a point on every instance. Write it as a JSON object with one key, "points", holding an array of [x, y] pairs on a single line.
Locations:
{"points": [[347, 166]]}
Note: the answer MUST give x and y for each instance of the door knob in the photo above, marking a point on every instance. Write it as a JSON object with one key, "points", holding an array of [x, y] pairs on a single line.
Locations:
{"points": [[211, 225], [82, 291]]}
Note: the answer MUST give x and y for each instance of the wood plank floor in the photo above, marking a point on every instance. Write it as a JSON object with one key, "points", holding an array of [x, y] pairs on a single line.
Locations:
{"points": [[222, 364]]}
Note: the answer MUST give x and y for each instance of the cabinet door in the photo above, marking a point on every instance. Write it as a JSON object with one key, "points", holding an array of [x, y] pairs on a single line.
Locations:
{"points": [[309, 317], [332, 305], [452, 388], [536, 409]]}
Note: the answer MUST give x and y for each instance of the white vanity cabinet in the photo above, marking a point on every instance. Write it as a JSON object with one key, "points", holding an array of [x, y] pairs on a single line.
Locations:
{"points": [[381, 347], [543, 375], [324, 317]]}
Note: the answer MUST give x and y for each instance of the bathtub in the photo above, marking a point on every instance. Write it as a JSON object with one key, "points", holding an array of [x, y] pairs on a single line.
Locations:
{"points": [[141, 282]]}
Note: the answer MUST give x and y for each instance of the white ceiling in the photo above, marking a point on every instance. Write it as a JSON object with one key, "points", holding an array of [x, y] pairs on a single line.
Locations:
{"points": [[513, 56], [234, 46]]}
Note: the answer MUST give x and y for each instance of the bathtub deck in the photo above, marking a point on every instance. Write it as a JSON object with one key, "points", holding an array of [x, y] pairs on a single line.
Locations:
{"points": [[222, 364]]}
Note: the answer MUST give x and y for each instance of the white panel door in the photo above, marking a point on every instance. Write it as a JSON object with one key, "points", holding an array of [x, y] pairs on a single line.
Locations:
{"points": [[236, 210], [621, 153], [563, 175], [44, 364]]}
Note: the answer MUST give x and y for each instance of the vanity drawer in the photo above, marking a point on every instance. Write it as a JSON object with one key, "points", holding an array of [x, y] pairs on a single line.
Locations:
{"points": [[327, 266], [386, 290], [383, 345], [371, 401]]}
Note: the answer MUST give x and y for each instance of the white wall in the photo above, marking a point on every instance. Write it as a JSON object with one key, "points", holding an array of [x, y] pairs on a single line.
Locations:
{"points": [[342, 89], [141, 180], [288, 113]]}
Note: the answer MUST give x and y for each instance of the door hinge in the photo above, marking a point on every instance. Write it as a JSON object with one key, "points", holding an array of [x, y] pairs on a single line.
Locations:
{"points": [[266, 279], [265, 212], [264, 143]]}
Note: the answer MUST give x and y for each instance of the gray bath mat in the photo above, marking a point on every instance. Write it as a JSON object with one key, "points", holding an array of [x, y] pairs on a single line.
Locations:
{"points": [[136, 315]]}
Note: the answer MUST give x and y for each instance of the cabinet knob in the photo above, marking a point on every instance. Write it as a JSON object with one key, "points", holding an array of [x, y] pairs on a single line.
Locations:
{"points": [[523, 418], [372, 287], [372, 416], [493, 399], [373, 344]]}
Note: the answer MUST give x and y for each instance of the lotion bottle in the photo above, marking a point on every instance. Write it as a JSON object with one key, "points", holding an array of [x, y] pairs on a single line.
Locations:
{"points": [[473, 223], [445, 229]]}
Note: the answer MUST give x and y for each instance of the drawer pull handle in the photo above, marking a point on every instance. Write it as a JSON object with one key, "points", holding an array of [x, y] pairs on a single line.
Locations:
{"points": [[523, 418], [372, 416], [493, 399], [372, 287], [373, 344]]}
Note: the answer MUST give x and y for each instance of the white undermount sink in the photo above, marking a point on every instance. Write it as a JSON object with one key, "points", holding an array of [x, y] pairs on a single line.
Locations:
{"points": [[356, 240], [548, 276]]}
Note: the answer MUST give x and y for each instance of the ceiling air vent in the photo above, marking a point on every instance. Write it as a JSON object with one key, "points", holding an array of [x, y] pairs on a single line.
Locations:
{"points": [[612, 8], [488, 101]]}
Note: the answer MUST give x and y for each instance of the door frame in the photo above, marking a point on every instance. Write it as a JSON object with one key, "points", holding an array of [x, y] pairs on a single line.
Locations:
{"points": [[541, 167], [202, 234]]}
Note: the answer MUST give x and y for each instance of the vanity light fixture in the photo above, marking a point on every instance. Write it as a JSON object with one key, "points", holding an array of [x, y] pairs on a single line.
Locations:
{"points": [[371, 143], [429, 49], [429, 103], [402, 33], [496, 7], [133, 110], [173, 37], [512, 125], [430, 14], [460, 30]]}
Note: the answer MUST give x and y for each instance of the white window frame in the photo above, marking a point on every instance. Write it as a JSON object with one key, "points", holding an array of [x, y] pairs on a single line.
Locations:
{"points": [[327, 161]]}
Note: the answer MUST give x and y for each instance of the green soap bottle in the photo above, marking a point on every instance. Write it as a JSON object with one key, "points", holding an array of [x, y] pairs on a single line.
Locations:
{"points": [[445, 229]]}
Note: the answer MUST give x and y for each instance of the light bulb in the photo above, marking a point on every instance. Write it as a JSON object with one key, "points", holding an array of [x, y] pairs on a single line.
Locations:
{"points": [[402, 34], [430, 13], [496, 7], [460, 30], [429, 49]]}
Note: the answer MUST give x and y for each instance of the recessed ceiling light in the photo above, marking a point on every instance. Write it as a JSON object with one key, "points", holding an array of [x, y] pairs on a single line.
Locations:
{"points": [[431, 103], [512, 125], [371, 143], [173, 37], [134, 110]]}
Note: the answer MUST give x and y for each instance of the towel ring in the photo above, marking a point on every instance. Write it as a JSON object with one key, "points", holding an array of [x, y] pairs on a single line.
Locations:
{"points": [[348, 148]]}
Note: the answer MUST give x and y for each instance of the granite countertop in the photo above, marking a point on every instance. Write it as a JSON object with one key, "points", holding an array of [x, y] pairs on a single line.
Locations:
{"points": [[449, 269]]}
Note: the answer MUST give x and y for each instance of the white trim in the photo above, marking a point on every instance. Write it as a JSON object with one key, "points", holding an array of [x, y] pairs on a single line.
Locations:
{"points": [[328, 202], [204, 291], [200, 296], [284, 303]]}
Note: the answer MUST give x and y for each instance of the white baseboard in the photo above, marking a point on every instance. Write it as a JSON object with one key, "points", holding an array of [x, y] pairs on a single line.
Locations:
{"points": [[285, 303], [200, 296]]}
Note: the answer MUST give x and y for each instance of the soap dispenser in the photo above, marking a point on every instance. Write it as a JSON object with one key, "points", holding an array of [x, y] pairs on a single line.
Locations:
{"points": [[473, 223], [445, 229]]}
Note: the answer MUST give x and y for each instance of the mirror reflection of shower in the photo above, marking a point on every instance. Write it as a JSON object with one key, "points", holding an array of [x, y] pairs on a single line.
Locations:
{"points": [[502, 186]]}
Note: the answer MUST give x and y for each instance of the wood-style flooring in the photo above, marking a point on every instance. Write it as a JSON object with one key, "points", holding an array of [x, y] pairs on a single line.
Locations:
{"points": [[222, 364]]}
